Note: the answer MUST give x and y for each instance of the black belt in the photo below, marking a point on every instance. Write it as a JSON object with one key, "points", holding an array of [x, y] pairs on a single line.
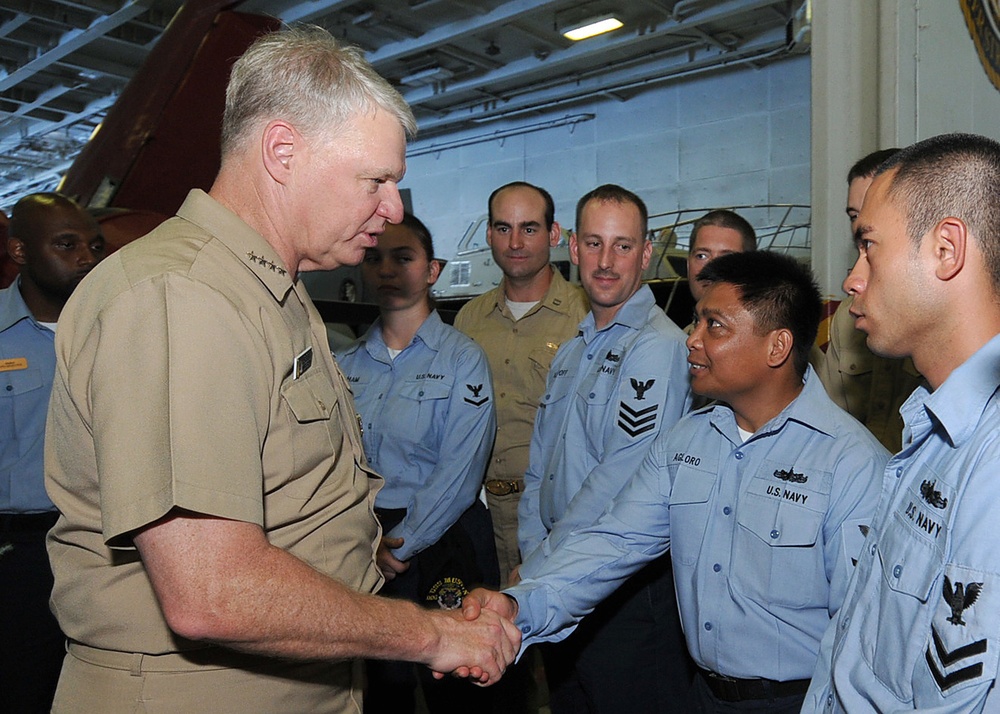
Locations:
{"points": [[730, 689], [27, 522]]}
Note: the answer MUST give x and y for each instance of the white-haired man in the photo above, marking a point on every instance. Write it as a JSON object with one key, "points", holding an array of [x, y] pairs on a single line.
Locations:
{"points": [[217, 541]]}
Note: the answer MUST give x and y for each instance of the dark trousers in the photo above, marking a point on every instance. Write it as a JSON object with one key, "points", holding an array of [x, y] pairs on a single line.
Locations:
{"points": [[629, 655], [31, 645], [516, 692], [392, 686], [703, 701]]}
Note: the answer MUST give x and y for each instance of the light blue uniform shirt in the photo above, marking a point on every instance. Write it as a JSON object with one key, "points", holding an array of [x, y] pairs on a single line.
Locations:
{"points": [[608, 394], [763, 534], [920, 628], [24, 403], [428, 425]]}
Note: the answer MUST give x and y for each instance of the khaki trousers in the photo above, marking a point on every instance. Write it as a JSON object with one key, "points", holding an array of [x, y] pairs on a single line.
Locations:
{"points": [[94, 680]]}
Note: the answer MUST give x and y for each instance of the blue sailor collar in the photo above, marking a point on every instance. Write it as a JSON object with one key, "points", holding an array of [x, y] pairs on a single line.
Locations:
{"points": [[431, 333], [633, 314], [959, 403], [812, 408], [12, 306]]}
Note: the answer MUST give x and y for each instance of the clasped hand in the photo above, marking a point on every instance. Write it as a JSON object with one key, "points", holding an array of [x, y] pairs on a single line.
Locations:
{"points": [[485, 639]]}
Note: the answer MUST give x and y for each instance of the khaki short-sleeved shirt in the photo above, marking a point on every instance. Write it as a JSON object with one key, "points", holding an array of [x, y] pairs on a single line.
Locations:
{"points": [[870, 388], [520, 353], [192, 373]]}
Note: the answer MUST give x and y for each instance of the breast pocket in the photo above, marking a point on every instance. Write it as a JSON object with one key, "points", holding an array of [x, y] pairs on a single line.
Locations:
{"points": [[19, 381], [22, 412], [313, 435], [557, 390], [594, 399], [690, 491], [908, 565], [420, 415], [909, 557], [310, 398], [780, 534], [541, 360]]}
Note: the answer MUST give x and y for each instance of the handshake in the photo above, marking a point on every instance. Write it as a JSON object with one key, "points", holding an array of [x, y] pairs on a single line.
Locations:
{"points": [[480, 641]]}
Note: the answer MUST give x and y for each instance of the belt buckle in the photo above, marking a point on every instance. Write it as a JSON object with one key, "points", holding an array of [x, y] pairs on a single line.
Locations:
{"points": [[502, 487]]}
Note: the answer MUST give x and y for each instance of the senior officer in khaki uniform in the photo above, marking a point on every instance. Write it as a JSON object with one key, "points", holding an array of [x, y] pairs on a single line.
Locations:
{"points": [[217, 535]]}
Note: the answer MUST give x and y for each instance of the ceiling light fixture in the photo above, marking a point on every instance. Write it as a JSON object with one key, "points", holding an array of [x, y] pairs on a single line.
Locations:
{"points": [[591, 27]]}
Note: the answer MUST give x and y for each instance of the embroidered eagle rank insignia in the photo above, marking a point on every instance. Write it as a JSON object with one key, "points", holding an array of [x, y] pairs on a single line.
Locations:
{"points": [[960, 597]]}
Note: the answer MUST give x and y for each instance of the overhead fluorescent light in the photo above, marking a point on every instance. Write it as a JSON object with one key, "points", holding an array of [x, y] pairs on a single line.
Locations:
{"points": [[591, 27]]}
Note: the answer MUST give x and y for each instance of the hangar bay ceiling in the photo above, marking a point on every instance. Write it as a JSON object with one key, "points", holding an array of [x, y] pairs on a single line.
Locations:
{"points": [[457, 62]]}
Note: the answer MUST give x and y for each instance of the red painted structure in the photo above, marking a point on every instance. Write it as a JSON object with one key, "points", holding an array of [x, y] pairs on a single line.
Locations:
{"points": [[160, 139]]}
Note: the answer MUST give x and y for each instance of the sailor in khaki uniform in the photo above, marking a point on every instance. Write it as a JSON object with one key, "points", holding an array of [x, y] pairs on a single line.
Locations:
{"points": [[520, 325], [217, 541]]}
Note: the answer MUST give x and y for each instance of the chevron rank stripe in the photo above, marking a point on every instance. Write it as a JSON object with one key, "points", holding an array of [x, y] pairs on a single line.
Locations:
{"points": [[474, 399], [947, 681], [635, 422], [964, 652]]}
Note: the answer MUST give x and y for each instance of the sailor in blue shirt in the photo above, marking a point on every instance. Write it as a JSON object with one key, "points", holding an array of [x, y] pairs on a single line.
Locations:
{"points": [[55, 243], [920, 627], [763, 500], [428, 421], [610, 390], [425, 398], [27, 365]]}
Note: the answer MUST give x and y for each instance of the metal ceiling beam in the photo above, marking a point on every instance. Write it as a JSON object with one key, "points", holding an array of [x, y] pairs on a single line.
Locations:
{"points": [[39, 127], [42, 99], [498, 135], [650, 73], [51, 14], [471, 6], [74, 40], [14, 23], [595, 48], [711, 40], [445, 34], [470, 58], [96, 67], [36, 182], [548, 40], [82, 6], [295, 11], [569, 74]]}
